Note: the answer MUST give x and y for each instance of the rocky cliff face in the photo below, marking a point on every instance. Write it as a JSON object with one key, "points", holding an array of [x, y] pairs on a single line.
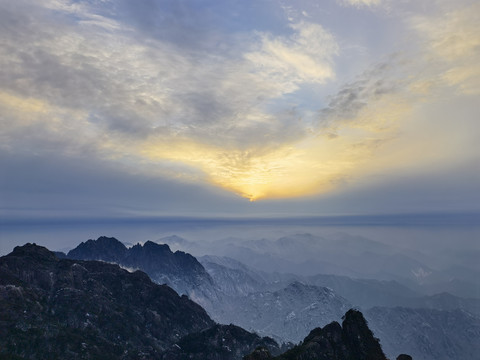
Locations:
{"points": [[352, 340], [179, 270], [231, 277], [287, 314], [76, 309], [219, 342], [439, 327], [60, 308]]}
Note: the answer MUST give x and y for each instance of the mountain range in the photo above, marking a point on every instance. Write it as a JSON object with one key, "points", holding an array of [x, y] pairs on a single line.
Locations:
{"points": [[53, 307], [304, 254], [287, 306], [179, 270], [74, 309]]}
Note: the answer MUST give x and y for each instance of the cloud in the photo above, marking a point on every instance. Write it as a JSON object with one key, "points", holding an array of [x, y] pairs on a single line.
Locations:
{"points": [[374, 84], [78, 80], [453, 40], [306, 56], [97, 87], [360, 3]]}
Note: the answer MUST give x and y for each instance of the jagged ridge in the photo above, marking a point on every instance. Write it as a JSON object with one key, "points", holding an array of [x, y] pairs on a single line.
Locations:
{"points": [[61, 308], [352, 340], [179, 270]]}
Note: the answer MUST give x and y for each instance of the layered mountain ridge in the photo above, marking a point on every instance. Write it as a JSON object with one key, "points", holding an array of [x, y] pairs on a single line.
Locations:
{"points": [[266, 303], [78, 309], [179, 270], [62, 308]]}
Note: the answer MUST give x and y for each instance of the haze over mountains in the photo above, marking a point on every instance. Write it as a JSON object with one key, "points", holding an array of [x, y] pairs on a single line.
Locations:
{"points": [[286, 306], [424, 271], [62, 308]]}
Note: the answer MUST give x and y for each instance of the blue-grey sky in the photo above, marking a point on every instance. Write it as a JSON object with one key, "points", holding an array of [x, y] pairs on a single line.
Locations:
{"points": [[238, 107]]}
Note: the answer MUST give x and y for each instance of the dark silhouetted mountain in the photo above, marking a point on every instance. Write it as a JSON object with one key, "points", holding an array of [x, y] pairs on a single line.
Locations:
{"points": [[218, 343], [352, 340], [404, 357], [78, 309], [59, 308], [62, 308], [104, 248], [60, 254], [179, 270]]}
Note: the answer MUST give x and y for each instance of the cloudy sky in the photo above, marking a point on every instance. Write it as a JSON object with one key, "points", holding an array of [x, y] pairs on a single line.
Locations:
{"points": [[238, 107]]}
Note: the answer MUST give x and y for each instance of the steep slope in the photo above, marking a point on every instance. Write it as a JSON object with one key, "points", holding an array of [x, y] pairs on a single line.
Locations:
{"points": [[219, 342], [366, 293], [353, 340], [179, 270], [427, 334], [267, 314], [236, 279], [445, 301], [287, 314], [61, 308], [231, 277]]}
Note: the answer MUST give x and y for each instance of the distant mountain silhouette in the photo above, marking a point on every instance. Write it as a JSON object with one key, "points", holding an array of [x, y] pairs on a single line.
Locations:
{"points": [[179, 270]]}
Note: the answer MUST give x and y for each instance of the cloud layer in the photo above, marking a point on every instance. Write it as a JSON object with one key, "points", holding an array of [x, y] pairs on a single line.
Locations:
{"points": [[240, 99]]}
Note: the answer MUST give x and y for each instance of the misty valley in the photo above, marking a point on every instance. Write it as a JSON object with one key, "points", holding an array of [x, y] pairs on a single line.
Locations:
{"points": [[233, 298]]}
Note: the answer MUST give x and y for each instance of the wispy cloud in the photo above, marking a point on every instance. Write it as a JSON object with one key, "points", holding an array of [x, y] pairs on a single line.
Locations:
{"points": [[306, 56], [453, 42], [76, 78], [360, 3]]}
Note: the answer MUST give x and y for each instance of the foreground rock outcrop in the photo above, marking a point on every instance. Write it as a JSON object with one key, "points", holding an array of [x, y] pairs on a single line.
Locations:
{"points": [[60, 308], [352, 340]]}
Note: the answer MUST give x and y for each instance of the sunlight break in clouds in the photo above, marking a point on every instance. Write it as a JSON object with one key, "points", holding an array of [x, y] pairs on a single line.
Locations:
{"points": [[80, 81]]}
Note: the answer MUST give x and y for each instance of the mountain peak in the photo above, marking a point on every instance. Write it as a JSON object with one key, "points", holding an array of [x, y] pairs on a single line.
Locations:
{"points": [[352, 340], [63, 308], [33, 250], [104, 248], [153, 245], [179, 270]]}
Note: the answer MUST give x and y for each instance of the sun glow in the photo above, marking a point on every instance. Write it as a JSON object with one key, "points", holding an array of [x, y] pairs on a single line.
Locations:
{"points": [[313, 166]]}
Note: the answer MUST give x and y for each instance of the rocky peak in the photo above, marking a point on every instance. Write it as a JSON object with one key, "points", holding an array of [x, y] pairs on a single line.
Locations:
{"points": [[152, 246], [360, 338], [179, 270], [63, 308], [34, 252], [104, 248], [352, 340]]}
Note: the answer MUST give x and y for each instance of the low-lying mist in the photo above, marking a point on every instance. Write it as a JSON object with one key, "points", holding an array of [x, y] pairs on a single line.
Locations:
{"points": [[411, 248]]}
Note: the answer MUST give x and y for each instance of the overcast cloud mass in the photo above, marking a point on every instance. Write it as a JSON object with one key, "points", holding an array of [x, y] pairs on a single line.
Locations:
{"points": [[162, 107]]}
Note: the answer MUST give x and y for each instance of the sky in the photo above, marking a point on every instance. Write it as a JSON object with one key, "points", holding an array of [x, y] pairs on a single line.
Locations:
{"points": [[238, 107]]}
